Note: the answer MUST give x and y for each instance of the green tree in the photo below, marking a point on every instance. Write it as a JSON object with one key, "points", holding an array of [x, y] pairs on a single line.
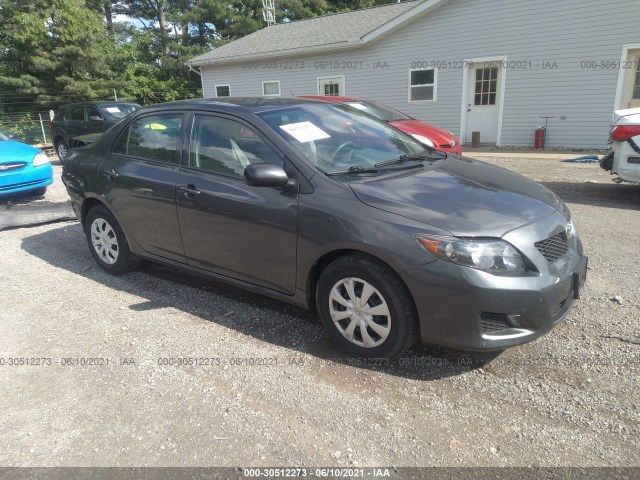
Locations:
{"points": [[55, 49]]}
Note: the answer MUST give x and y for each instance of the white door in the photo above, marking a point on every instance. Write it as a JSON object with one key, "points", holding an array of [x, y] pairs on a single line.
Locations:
{"points": [[632, 80], [331, 86], [483, 103]]}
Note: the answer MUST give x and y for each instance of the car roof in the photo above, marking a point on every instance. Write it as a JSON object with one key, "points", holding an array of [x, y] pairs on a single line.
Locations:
{"points": [[96, 103], [333, 99], [245, 104]]}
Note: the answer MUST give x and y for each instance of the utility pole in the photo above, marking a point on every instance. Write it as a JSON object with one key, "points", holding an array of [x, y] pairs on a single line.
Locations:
{"points": [[269, 12]]}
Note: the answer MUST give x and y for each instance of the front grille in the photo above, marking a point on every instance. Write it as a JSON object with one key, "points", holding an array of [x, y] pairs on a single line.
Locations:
{"points": [[553, 247], [494, 322], [7, 167]]}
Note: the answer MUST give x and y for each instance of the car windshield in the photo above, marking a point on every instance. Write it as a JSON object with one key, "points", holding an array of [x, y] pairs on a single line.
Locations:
{"points": [[335, 137], [120, 110], [3, 137], [378, 110]]}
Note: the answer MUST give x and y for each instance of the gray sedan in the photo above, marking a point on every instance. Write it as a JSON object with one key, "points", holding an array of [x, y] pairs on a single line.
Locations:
{"points": [[321, 205]]}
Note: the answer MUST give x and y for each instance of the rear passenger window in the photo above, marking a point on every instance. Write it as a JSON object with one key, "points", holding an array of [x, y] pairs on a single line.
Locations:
{"points": [[120, 145], [156, 137], [227, 147], [76, 113]]}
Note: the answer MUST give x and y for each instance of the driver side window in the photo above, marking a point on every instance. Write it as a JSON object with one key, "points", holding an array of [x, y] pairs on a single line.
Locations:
{"points": [[93, 115], [227, 147]]}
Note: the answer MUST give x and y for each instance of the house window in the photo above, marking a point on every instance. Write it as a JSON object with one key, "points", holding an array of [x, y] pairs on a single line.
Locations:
{"points": [[422, 85], [271, 89], [223, 90], [486, 86]]}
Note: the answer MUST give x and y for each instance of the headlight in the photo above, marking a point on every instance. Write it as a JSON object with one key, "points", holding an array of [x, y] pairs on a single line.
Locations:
{"points": [[423, 139], [494, 256], [40, 159]]}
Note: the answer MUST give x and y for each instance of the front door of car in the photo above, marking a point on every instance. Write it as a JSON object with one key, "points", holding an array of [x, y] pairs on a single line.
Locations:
{"points": [[139, 178], [228, 227], [94, 121]]}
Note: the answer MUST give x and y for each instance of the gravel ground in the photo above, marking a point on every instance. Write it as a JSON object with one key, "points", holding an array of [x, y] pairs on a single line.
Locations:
{"points": [[276, 392]]}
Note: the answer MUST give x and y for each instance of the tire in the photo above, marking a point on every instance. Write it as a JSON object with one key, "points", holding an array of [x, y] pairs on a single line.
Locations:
{"points": [[393, 313], [39, 192], [606, 162], [107, 242], [62, 149]]}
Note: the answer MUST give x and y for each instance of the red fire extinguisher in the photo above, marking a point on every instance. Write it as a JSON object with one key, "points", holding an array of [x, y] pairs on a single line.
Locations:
{"points": [[539, 138]]}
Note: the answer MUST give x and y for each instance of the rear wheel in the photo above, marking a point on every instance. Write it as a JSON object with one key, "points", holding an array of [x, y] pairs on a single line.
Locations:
{"points": [[107, 242], [366, 308]]}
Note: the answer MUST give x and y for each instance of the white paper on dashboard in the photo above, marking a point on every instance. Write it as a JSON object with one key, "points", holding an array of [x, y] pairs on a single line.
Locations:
{"points": [[113, 110], [305, 131], [359, 106]]}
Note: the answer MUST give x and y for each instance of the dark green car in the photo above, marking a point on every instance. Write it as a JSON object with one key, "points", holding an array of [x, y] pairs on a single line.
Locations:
{"points": [[81, 123]]}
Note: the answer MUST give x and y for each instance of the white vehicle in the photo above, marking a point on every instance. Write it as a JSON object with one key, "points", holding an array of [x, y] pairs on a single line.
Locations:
{"points": [[624, 139]]}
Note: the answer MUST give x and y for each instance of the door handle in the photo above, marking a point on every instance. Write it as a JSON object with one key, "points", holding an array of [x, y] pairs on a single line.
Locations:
{"points": [[189, 191], [110, 174]]}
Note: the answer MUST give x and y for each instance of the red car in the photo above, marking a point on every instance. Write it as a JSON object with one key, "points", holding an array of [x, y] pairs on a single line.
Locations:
{"points": [[426, 133]]}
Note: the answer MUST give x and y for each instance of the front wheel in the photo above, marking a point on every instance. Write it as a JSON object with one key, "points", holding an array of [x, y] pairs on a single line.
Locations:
{"points": [[107, 242], [62, 149], [366, 308]]}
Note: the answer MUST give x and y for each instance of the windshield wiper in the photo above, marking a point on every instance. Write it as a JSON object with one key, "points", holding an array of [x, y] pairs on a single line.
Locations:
{"points": [[408, 158], [355, 170]]}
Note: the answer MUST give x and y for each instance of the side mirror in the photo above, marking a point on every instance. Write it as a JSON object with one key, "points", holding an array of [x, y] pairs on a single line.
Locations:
{"points": [[266, 175], [10, 136]]}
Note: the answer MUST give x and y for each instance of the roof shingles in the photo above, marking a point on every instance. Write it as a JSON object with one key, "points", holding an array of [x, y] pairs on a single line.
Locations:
{"points": [[337, 30]]}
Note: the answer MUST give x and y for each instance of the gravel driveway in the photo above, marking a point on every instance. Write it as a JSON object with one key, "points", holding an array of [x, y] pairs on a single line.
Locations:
{"points": [[106, 384]]}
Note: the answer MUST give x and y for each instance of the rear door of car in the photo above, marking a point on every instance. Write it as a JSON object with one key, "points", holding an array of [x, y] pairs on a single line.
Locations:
{"points": [[138, 178], [74, 120], [227, 226]]}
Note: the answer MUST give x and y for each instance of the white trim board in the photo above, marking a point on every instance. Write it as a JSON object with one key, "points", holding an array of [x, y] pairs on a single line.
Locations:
{"points": [[617, 104]]}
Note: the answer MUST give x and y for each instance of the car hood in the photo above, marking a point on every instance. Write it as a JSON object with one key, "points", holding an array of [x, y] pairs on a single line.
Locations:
{"points": [[463, 196], [415, 127], [13, 151]]}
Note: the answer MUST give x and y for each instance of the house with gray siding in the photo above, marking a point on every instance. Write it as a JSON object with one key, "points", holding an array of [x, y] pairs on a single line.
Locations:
{"points": [[488, 66]]}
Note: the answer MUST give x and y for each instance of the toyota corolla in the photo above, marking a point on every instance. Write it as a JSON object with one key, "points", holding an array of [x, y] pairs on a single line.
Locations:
{"points": [[329, 208]]}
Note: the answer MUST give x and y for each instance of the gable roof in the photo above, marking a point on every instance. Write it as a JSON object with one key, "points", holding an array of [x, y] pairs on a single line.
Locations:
{"points": [[318, 34]]}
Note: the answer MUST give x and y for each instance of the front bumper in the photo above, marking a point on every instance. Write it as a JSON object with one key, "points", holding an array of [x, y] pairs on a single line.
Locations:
{"points": [[26, 179], [465, 308]]}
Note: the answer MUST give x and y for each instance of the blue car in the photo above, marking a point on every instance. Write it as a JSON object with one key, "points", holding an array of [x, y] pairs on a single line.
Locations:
{"points": [[23, 168]]}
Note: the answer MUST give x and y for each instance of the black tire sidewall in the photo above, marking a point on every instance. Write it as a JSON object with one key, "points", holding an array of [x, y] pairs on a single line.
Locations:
{"points": [[123, 263], [396, 296], [61, 142]]}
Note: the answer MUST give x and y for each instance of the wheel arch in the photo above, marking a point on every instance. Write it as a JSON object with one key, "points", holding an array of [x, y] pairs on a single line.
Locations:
{"points": [[57, 138], [326, 259], [87, 205]]}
